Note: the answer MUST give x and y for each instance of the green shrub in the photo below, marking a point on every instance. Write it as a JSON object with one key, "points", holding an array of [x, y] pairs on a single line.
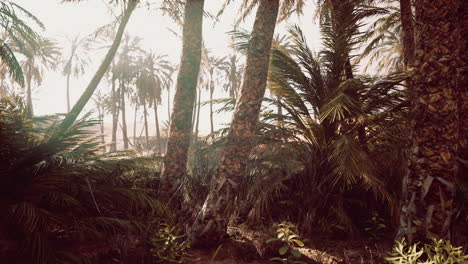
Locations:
{"points": [[439, 252], [290, 239], [170, 247], [58, 192]]}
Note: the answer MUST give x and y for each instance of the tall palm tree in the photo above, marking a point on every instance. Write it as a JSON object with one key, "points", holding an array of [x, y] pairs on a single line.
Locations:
{"points": [[75, 60], [212, 67], [126, 70], [43, 58], [427, 209], [83, 100], [180, 131], [154, 74], [211, 222], [233, 71]]}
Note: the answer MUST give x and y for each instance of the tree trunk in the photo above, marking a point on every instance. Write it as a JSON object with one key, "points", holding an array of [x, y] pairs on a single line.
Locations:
{"points": [[194, 111], [169, 103], [80, 104], [30, 111], [68, 92], [211, 105], [145, 115], [124, 116], [407, 33], [197, 122], [134, 125], [101, 123], [158, 133], [427, 208], [115, 116], [211, 222], [180, 128]]}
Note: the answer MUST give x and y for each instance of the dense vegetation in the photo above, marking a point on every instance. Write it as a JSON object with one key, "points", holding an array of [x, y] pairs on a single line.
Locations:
{"points": [[315, 148]]}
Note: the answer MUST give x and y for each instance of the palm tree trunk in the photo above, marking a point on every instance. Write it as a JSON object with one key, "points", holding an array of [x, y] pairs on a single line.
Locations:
{"points": [[134, 124], [194, 111], [124, 116], [115, 116], [169, 103], [68, 92], [427, 208], [101, 123], [407, 33], [211, 106], [180, 128], [80, 104], [30, 111], [279, 111], [197, 122], [145, 115], [211, 222], [158, 133]]}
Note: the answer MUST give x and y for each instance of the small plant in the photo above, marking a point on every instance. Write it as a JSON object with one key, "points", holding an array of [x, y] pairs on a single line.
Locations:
{"points": [[375, 227], [290, 239], [169, 247], [439, 252]]}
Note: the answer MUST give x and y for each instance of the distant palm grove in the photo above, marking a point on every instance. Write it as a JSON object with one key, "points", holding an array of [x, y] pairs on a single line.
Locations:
{"points": [[352, 153]]}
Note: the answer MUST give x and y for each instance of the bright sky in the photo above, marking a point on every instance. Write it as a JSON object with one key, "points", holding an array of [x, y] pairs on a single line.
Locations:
{"points": [[69, 19]]}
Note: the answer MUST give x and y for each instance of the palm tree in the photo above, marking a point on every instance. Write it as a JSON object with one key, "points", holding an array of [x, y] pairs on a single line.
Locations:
{"points": [[43, 58], [212, 67], [83, 100], [427, 209], [126, 70], [180, 131], [20, 34], [233, 71], [211, 222], [75, 60], [159, 70]]}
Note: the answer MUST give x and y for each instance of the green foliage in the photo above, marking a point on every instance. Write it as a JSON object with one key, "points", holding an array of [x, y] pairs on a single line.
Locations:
{"points": [[376, 226], [439, 252], [57, 190], [290, 239], [169, 247], [14, 22]]}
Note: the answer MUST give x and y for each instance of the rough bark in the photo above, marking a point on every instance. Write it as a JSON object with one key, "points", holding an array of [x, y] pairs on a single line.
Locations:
{"points": [[211, 222], [427, 208], [407, 33], [180, 128], [124, 116], [93, 84]]}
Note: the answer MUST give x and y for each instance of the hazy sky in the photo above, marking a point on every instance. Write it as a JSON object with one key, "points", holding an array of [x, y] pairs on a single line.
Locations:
{"points": [[69, 19]]}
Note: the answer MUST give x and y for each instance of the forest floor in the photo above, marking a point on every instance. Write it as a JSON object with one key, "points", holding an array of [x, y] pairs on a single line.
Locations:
{"points": [[248, 246]]}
